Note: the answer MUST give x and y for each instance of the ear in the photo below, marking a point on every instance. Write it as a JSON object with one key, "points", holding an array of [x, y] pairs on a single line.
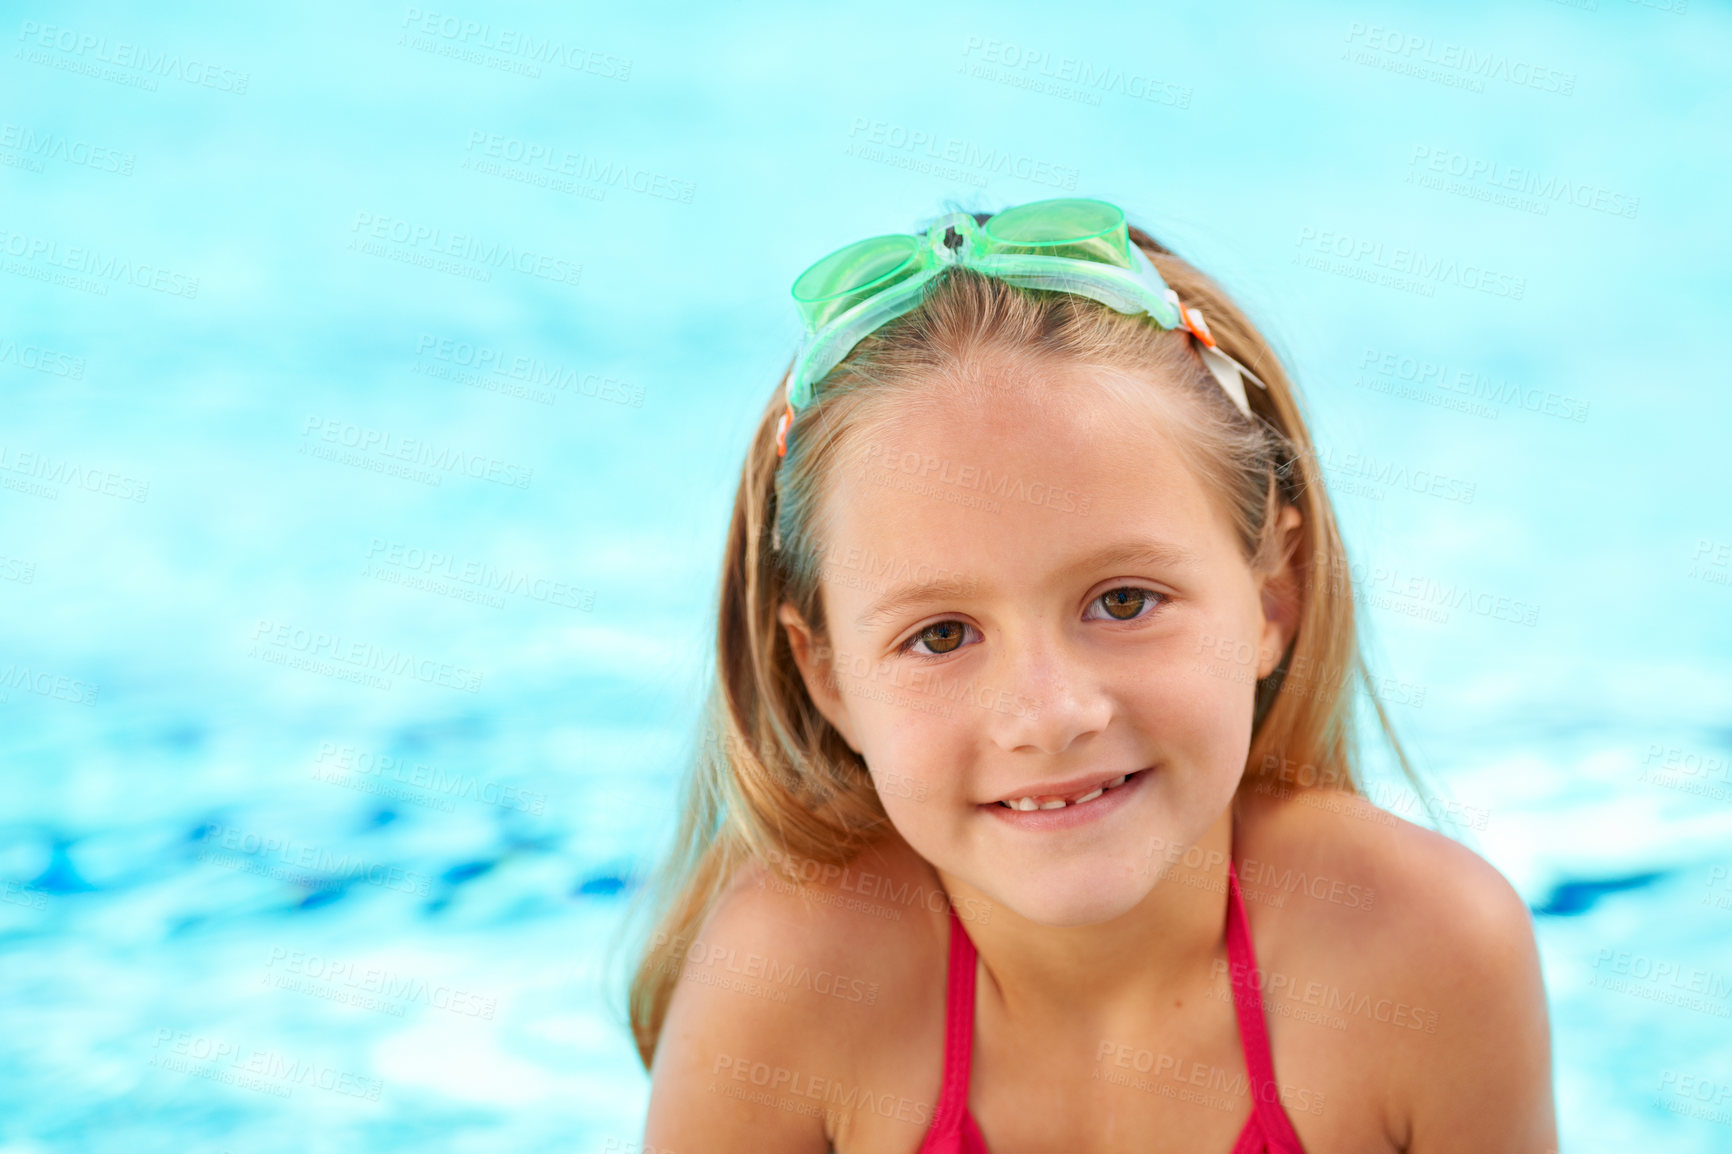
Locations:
{"points": [[1279, 593], [814, 660]]}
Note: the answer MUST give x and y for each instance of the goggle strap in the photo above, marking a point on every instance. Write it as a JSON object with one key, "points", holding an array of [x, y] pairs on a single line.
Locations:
{"points": [[1226, 371]]}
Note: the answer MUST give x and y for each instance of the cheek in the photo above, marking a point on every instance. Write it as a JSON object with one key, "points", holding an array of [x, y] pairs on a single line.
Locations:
{"points": [[1201, 710], [916, 751]]}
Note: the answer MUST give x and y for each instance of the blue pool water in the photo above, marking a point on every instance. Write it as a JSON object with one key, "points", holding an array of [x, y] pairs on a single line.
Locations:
{"points": [[270, 394]]}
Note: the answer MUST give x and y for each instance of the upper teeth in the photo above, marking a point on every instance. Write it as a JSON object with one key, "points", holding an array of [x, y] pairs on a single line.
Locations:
{"points": [[1051, 801]]}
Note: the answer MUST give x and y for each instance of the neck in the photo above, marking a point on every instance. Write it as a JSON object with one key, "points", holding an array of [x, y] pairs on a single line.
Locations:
{"points": [[1126, 969]]}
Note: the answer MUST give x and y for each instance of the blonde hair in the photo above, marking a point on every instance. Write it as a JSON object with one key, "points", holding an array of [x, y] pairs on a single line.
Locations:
{"points": [[773, 781]]}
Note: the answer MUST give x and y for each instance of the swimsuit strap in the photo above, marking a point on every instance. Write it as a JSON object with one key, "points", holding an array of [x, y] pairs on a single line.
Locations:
{"points": [[958, 1029], [1253, 1030], [954, 1129]]}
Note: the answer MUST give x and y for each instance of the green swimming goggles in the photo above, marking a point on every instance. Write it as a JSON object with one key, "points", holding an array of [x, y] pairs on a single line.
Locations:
{"points": [[1067, 245]]}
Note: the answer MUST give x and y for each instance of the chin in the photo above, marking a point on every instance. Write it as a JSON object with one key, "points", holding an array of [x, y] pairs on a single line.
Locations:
{"points": [[1084, 903]]}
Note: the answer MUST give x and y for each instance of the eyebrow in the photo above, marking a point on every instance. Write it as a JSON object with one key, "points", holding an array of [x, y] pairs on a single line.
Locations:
{"points": [[1158, 554]]}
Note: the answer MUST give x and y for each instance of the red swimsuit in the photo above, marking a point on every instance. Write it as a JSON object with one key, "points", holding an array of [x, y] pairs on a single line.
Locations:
{"points": [[1267, 1131]]}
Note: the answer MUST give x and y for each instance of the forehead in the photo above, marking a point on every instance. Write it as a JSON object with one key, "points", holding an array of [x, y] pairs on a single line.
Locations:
{"points": [[1023, 470]]}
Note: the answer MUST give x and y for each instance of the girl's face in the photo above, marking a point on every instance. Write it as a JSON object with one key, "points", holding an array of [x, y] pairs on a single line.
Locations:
{"points": [[1031, 596]]}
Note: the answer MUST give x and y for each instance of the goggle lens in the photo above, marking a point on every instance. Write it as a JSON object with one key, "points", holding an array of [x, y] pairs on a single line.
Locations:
{"points": [[849, 275], [1076, 229]]}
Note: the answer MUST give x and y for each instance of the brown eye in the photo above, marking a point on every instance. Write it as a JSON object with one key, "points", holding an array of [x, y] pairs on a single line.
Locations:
{"points": [[943, 637], [1124, 604]]}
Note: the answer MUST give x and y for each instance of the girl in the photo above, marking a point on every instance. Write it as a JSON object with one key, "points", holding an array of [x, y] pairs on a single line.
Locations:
{"points": [[1027, 816]]}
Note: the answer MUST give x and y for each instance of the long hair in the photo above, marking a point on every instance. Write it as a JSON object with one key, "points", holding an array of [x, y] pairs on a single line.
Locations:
{"points": [[773, 781]]}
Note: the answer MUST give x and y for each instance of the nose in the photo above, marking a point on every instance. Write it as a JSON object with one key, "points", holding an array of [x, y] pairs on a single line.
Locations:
{"points": [[1050, 698]]}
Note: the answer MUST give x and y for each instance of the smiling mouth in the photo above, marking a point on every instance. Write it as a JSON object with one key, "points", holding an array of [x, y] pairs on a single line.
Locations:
{"points": [[1054, 801]]}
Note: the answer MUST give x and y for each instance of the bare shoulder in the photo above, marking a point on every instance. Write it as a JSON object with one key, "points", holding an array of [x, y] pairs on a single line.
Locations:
{"points": [[1432, 933], [792, 991], [1434, 891]]}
